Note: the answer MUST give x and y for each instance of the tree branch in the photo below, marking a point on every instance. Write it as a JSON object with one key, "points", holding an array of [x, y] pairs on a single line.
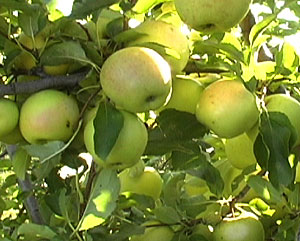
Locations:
{"points": [[41, 84]]}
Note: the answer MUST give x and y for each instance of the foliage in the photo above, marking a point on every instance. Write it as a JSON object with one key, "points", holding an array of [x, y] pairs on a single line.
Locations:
{"points": [[53, 190]]}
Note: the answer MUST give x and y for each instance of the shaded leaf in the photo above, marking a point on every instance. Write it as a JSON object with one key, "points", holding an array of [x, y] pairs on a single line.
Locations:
{"points": [[166, 215], [108, 124], [102, 201], [34, 231]]}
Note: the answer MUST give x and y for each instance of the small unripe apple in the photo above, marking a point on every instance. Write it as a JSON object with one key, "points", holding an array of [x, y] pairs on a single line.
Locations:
{"points": [[161, 34], [38, 42], [129, 146], [48, 115], [136, 79], [288, 106], [227, 108], [185, 95], [149, 182], [212, 15], [9, 116]]}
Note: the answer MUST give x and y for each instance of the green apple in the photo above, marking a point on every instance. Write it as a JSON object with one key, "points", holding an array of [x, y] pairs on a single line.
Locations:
{"points": [[154, 233], [212, 15], [48, 115], [242, 228], [136, 79], [25, 61], [158, 34], [203, 230], [129, 147], [9, 116], [288, 106], [227, 108], [60, 69], [194, 185], [185, 95], [239, 151], [149, 182], [38, 42]]}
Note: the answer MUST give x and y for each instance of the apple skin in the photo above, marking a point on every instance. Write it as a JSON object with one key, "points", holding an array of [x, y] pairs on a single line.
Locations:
{"points": [[149, 182], [61, 69], [212, 15], [166, 35], [133, 133], [239, 151], [39, 41], [136, 79], [185, 95], [242, 228], [13, 137], [288, 106], [48, 115], [161, 233], [9, 116], [227, 108]]}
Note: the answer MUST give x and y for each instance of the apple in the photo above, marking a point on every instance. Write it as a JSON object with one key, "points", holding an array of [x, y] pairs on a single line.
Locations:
{"points": [[161, 34], [149, 182], [239, 151], [204, 231], [185, 95], [13, 137], [9, 116], [129, 147], [194, 185], [136, 79], [227, 108], [38, 42], [25, 61], [245, 227], [212, 15], [154, 233], [60, 69], [48, 115], [288, 106]]}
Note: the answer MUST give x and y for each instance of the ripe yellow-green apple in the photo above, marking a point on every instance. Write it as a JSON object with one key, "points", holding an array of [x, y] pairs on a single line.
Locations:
{"points": [[133, 134], [9, 116], [25, 61], [155, 34], [154, 233], [136, 79], [227, 108], [48, 115], [212, 15], [185, 95], [38, 42], [60, 69], [149, 182], [194, 185], [245, 227], [288, 106], [239, 151]]}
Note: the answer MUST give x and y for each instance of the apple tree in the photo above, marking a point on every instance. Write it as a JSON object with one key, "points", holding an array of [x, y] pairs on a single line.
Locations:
{"points": [[141, 120]]}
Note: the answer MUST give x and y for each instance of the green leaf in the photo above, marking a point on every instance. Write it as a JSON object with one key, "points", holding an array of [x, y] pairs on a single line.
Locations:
{"points": [[3, 26], [272, 147], [108, 124], [72, 29], [143, 6], [102, 201], [172, 188], [265, 189], [81, 10], [20, 162], [211, 175], [66, 52], [258, 28], [31, 9], [35, 231], [166, 215], [173, 130], [32, 24]]}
